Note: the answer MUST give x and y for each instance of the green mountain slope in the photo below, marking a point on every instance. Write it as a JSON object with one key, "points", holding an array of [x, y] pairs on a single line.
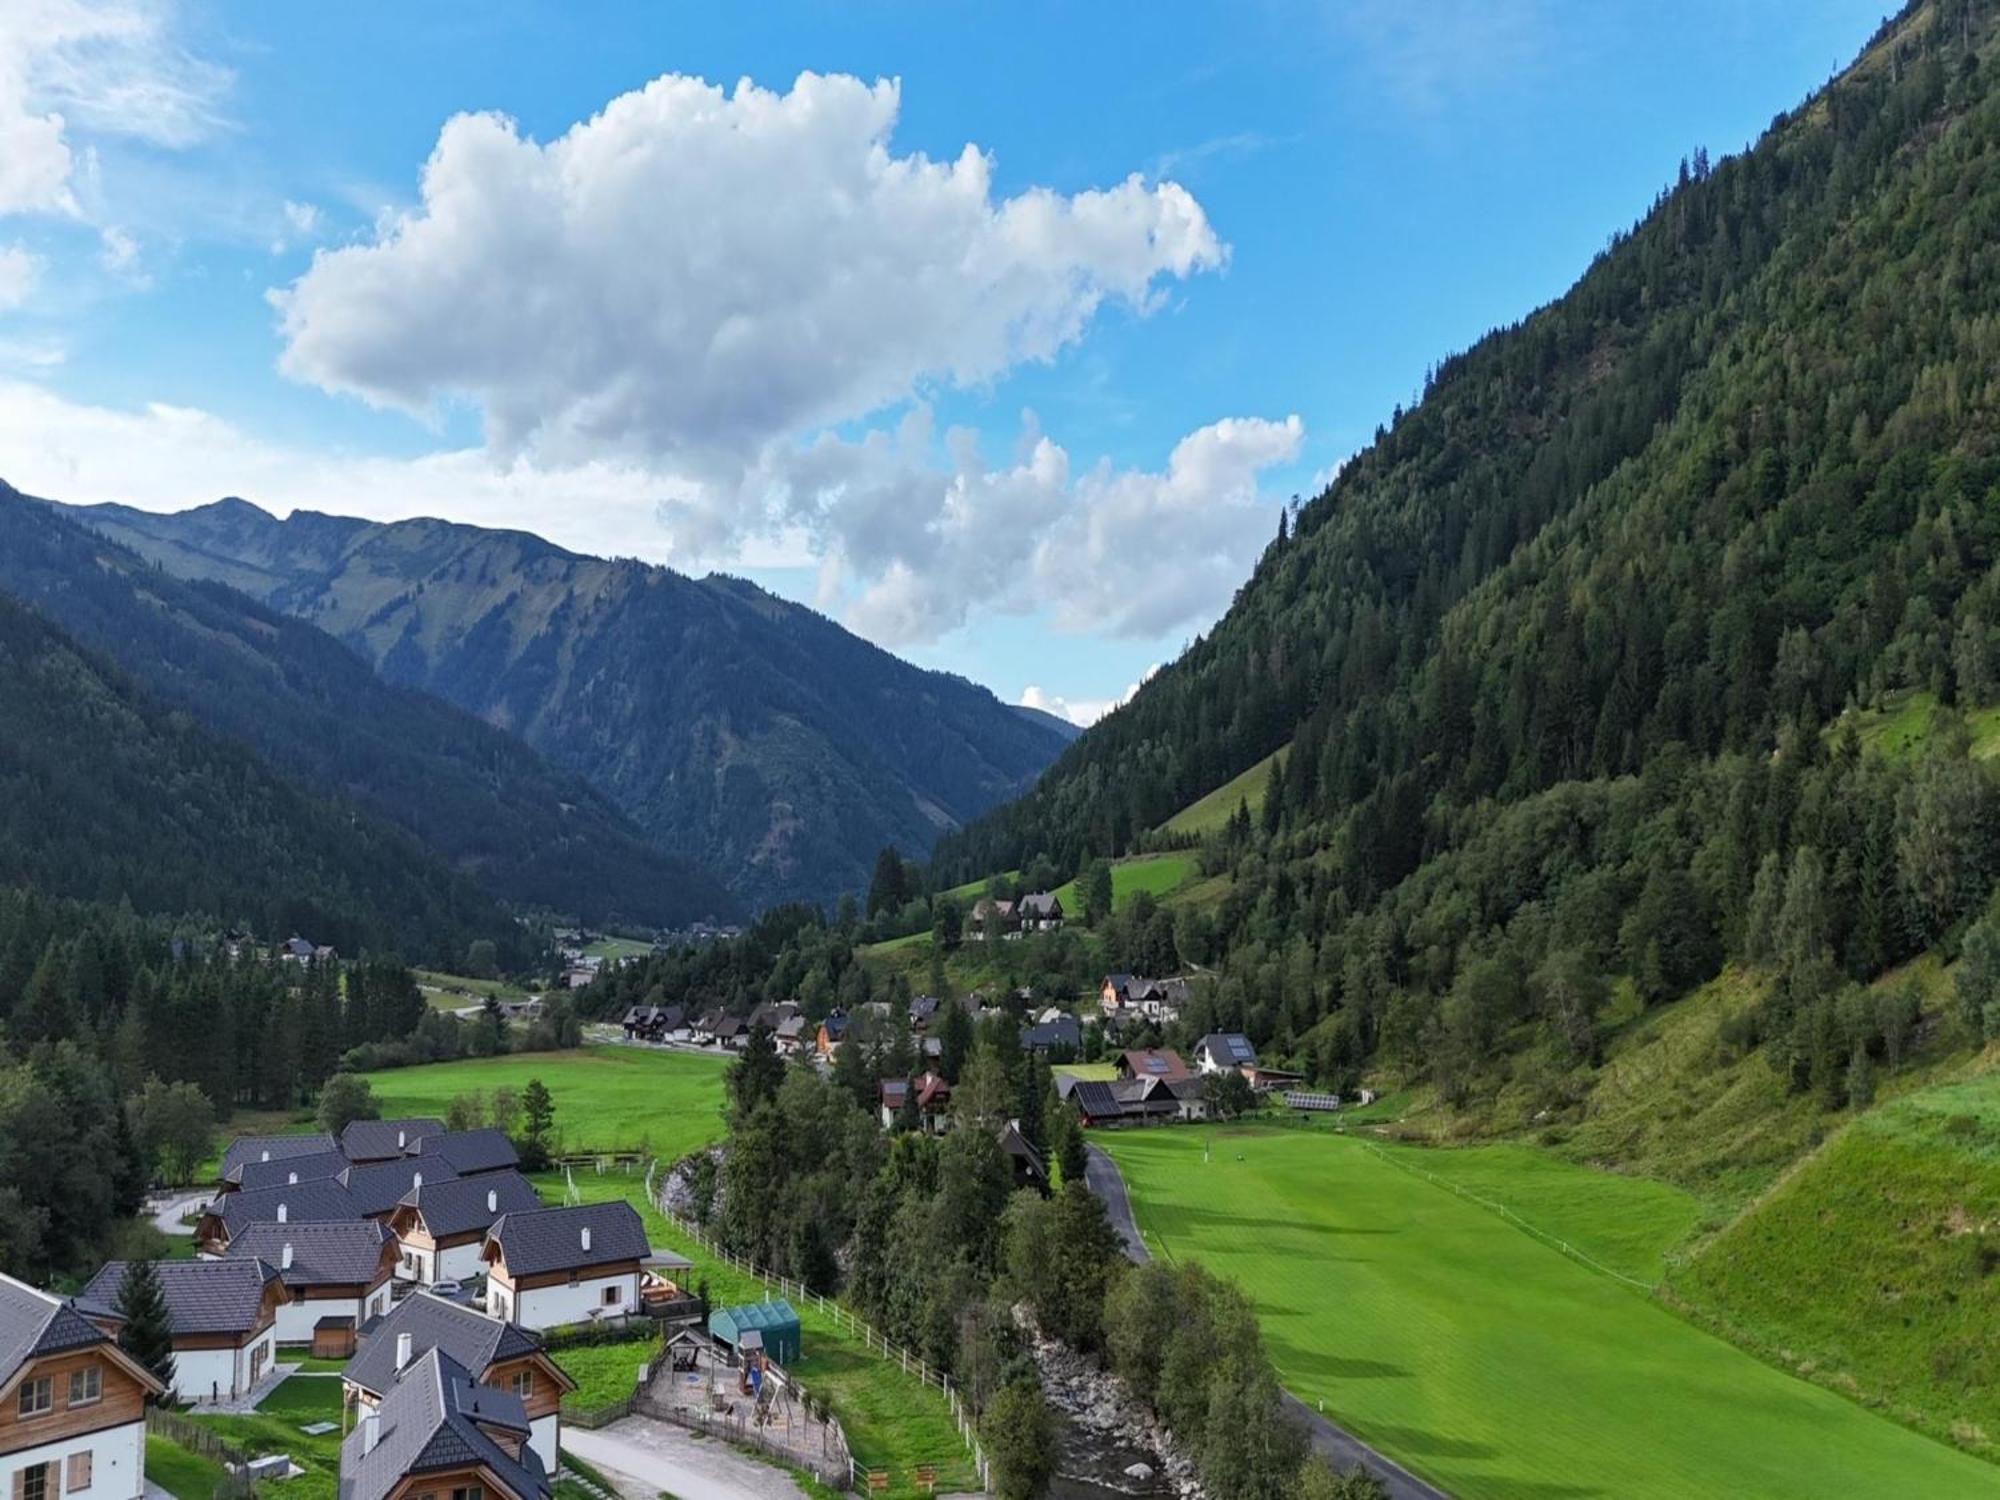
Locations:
{"points": [[532, 834], [757, 736], [109, 796]]}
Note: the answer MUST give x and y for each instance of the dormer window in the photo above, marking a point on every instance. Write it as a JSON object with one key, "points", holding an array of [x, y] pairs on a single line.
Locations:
{"points": [[86, 1386], [38, 1397]]}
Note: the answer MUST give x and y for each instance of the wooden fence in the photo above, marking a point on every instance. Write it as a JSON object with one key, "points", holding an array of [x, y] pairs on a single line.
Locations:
{"points": [[871, 1339], [236, 1483]]}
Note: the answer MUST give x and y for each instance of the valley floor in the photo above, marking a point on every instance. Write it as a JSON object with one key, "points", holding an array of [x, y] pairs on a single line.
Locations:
{"points": [[1477, 1351]]}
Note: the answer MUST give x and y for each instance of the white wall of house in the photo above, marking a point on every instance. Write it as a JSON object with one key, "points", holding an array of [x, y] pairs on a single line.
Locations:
{"points": [[554, 1306], [212, 1374], [296, 1319], [428, 1267], [544, 1436], [117, 1463]]}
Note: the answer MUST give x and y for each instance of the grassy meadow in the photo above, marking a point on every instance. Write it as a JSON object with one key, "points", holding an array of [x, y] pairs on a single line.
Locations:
{"points": [[1482, 1356], [607, 1098], [1208, 813]]}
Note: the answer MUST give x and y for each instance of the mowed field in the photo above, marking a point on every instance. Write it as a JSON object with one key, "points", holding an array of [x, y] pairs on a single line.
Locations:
{"points": [[607, 1098], [1483, 1357]]}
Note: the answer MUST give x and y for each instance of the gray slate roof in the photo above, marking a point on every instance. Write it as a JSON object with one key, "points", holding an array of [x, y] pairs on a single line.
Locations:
{"points": [[457, 1206], [316, 1166], [1064, 1031], [431, 1421], [322, 1254], [551, 1239], [471, 1338], [249, 1148], [1228, 1049], [203, 1296], [469, 1151], [380, 1140], [377, 1187], [33, 1322], [1095, 1099], [305, 1203]]}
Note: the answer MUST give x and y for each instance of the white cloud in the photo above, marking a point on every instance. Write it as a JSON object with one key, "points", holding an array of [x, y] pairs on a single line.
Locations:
{"points": [[303, 217], [117, 251], [696, 277], [1082, 712], [98, 67], [19, 271]]}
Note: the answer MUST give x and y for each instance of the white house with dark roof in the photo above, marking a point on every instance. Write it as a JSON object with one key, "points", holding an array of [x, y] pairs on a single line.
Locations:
{"points": [[72, 1403], [329, 1271], [442, 1225], [500, 1354], [438, 1432], [1225, 1052], [555, 1266], [225, 1321]]}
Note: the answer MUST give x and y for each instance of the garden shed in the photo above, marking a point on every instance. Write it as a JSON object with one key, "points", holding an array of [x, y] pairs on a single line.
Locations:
{"points": [[775, 1325]]}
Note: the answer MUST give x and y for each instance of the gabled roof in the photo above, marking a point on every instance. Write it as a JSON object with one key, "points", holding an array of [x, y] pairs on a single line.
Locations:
{"points": [[34, 1323], [923, 1007], [791, 1028], [1154, 1062], [1228, 1049], [468, 1203], [1064, 1031], [727, 1026], [1017, 1145], [484, 1150], [1095, 1100], [437, 1418], [322, 1254], [551, 1239], [1040, 905], [203, 1296], [834, 1027], [317, 1166], [249, 1148], [379, 1140], [304, 1203], [892, 1092], [471, 1338], [377, 1186]]}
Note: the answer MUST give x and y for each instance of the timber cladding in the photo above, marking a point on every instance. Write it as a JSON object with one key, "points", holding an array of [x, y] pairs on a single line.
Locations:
{"points": [[544, 1398], [439, 1485], [123, 1401], [561, 1278]]}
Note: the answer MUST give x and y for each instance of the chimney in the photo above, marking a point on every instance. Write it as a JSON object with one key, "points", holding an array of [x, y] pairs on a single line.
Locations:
{"points": [[371, 1432], [402, 1139], [285, 1259], [264, 1155], [492, 1201], [281, 1213], [586, 1236], [291, 1179], [416, 1180], [402, 1350]]}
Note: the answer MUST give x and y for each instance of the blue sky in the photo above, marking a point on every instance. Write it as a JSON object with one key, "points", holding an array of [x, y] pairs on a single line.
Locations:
{"points": [[1024, 414]]}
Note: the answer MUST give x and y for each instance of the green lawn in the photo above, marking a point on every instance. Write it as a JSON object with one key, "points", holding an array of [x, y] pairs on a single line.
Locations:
{"points": [[1489, 1361], [892, 1420], [1206, 814], [1902, 726], [1157, 874], [274, 1428], [187, 1475], [612, 1098], [616, 948], [457, 991], [604, 1373], [1097, 1072]]}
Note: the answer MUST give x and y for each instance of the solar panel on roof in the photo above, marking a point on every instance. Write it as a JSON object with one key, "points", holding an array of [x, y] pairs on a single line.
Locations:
{"points": [[1304, 1100], [1155, 1065], [1241, 1049]]}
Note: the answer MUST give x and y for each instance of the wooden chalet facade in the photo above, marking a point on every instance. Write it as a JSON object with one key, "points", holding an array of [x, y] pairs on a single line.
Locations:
{"points": [[72, 1403]]}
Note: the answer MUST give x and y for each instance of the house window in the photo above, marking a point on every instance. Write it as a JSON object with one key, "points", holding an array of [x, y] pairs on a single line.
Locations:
{"points": [[33, 1483], [78, 1477], [469, 1492], [38, 1396], [613, 1296], [523, 1384], [86, 1386]]}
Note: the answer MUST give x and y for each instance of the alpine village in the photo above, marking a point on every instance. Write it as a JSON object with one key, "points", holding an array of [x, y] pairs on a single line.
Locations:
{"points": [[1508, 1008]]}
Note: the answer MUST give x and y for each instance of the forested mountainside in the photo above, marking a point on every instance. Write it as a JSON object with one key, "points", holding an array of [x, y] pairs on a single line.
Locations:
{"points": [[109, 796], [533, 835], [753, 735], [1561, 658]]}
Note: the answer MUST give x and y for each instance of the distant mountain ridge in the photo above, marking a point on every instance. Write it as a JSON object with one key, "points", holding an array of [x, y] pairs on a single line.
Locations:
{"points": [[754, 735], [532, 834]]}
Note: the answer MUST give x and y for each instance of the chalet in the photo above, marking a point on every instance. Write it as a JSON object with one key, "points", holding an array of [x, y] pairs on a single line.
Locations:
{"points": [[1095, 1104], [923, 1010], [1130, 1101], [553, 1266], [224, 1315], [654, 1023], [1190, 1097], [72, 1403], [496, 1353], [832, 1032], [297, 950], [470, 1153], [1030, 1171], [1225, 1052], [1061, 1037], [377, 1187], [1125, 997], [933, 1101], [338, 1271], [437, 1431], [729, 1033], [1152, 1062], [442, 1225], [992, 917], [790, 1036], [773, 1014], [1040, 912], [384, 1140], [251, 1176], [266, 1148], [325, 1202]]}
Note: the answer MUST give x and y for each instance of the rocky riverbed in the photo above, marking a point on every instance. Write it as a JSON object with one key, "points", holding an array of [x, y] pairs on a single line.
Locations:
{"points": [[1111, 1445]]}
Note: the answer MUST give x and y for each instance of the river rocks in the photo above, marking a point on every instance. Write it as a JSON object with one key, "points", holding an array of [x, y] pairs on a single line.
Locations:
{"points": [[1096, 1404]]}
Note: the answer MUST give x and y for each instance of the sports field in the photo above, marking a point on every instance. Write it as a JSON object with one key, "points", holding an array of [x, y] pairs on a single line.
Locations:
{"points": [[608, 1098], [1483, 1357]]}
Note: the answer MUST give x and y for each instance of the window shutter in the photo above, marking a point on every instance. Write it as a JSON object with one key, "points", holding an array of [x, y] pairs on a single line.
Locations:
{"points": [[20, 1483]]}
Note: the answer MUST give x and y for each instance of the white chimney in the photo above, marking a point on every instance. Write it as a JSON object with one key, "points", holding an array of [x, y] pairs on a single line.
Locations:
{"points": [[492, 1201], [291, 1179], [371, 1432], [264, 1155], [285, 1259], [281, 1213], [586, 1236], [402, 1350], [416, 1180], [402, 1139]]}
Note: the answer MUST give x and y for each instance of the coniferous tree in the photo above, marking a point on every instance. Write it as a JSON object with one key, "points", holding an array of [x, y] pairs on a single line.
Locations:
{"points": [[147, 1334]]}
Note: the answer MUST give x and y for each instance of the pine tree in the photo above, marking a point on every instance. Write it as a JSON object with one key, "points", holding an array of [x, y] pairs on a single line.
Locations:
{"points": [[148, 1333], [538, 1111]]}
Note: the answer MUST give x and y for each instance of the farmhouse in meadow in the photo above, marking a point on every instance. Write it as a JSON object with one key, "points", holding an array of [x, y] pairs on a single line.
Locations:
{"points": [[1040, 912], [436, 1431], [74, 1417], [224, 1315], [496, 1353], [552, 1266], [337, 1274]]}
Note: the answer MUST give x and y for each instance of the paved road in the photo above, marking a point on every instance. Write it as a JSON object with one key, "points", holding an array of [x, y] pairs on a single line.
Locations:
{"points": [[645, 1458], [167, 1216], [1343, 1447]]}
